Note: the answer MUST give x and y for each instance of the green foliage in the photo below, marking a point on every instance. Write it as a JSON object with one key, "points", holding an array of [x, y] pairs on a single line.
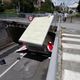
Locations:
{"points": [[26, 6], [36, 10], [78, 8], [78, 15], [58, 9], [70, 11], [0, 1], [8, 14], [9, 6], [34, 1], [2, 8], [47, 7]]}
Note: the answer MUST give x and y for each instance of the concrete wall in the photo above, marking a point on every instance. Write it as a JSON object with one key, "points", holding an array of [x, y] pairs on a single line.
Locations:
{"points": [[9, 34], [5, 39]]}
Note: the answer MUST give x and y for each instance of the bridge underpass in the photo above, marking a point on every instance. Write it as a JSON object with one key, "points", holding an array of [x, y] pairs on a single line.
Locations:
{"points": [[22, 69], [10, 32]]}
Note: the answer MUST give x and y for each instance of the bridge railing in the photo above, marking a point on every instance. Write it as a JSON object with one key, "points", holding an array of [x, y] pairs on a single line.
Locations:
{"points": [[53, 65]]}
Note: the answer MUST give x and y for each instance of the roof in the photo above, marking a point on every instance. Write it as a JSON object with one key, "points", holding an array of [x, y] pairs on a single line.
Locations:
{"points": [[37, 30]]}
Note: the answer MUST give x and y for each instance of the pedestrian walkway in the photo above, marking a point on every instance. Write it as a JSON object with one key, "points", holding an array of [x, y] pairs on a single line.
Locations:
{"points": [[71, 54]]}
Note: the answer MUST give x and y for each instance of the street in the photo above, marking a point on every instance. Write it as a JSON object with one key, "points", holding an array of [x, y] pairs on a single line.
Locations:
{"points": [[24, 69]]}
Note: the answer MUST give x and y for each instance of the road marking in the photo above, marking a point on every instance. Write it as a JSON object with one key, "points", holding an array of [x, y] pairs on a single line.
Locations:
{"points": [[12, 65], [71, 35], [71, 46], [71, 75], [71, 57], [9, 68], [71, 39]]}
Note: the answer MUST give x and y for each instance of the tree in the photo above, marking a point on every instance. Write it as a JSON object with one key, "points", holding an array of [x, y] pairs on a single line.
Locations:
{"points": [[24, 5], [2, 8], [47, 6], [78, 8], [7, 3]]}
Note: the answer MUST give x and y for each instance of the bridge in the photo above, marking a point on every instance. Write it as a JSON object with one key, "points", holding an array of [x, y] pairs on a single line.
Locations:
{"points": [[11, 56]]}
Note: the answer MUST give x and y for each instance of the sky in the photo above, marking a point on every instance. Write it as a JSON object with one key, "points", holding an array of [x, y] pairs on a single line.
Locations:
{"points": [[67, 2]]}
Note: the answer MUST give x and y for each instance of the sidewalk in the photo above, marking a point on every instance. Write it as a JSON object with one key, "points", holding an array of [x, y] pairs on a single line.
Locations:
{"points": [[74, 26], [70, 51]]}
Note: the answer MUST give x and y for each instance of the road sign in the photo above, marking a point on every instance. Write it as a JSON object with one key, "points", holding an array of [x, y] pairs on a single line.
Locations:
{"points": [[30, 18]]}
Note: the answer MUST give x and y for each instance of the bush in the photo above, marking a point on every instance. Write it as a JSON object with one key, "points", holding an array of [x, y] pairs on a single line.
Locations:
{"points": [[78, 7], [78, 15], [2, 8]]}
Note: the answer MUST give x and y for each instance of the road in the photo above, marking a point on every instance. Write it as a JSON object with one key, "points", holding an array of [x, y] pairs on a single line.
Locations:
{"points": [[25, 69]]}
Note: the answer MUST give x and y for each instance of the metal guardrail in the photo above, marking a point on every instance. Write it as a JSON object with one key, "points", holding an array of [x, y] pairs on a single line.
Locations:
{"points": [[51, 75]]}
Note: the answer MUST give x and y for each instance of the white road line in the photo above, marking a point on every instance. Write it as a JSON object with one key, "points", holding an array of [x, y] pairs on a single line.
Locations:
{"points": [[71, 75], [70, 39], [71, 57], [71, 35], [12, 66], [71, 46], [9, 68]]}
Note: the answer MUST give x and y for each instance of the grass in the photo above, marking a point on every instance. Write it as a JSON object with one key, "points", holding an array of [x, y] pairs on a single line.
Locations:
{"points": [[77, 15], [9, 13]]}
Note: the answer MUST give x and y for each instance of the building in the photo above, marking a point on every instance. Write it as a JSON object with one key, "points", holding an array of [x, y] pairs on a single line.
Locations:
{"points": [[73, 7]]}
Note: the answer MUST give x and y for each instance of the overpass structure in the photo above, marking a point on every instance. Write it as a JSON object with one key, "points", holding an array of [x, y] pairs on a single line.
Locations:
{"points": [[15, 22], [52, 68]]}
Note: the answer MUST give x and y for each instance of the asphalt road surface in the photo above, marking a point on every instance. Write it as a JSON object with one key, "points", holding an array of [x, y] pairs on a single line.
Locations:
{"points": [[25, 69]]}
